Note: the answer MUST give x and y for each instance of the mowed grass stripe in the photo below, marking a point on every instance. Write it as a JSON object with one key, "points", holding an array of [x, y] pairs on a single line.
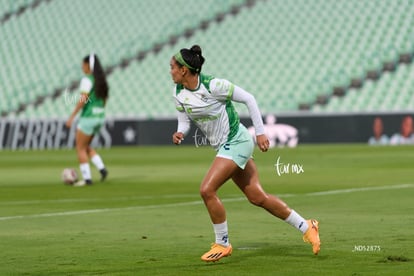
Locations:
{"points": [[361, 195], [92, 211]]}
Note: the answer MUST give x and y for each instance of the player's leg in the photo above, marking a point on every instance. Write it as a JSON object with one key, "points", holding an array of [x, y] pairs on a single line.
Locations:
{"points": [[82, 143], [98, 162], [92, 126], [220, 171], [248, 181]]}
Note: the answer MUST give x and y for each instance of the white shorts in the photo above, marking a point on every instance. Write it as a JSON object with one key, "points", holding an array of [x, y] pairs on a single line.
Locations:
{"points": [[239, 148]]}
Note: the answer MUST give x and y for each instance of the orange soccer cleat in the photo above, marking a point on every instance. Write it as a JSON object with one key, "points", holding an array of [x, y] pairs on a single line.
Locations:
{"points": [[312, 236], [217, 252]]}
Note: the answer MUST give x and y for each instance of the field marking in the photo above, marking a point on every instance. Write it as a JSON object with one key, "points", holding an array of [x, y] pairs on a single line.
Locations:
{"points": [[378, 188], [75, 200], [199, 202], [248, 248]]}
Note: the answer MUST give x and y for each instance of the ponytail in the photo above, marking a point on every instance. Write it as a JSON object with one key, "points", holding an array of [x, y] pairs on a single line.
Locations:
{"points": [[101, 85]]}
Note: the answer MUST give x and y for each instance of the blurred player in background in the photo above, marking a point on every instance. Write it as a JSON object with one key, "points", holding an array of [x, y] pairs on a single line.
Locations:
{"points": [[93, 96], [207, 101], [378, 138], [406, 134], [280, 135]]}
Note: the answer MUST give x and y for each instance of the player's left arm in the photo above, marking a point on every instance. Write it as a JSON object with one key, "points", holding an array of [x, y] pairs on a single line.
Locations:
{"points": [[224, 90], [242, 96]]}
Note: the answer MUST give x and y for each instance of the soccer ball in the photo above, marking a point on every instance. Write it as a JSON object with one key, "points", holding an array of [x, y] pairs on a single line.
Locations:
{"points": [[69, 176]]}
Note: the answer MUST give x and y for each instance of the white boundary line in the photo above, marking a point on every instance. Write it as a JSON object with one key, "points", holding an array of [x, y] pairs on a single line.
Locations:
{"points": [[74, 200], [378, 188], [199, 202]]}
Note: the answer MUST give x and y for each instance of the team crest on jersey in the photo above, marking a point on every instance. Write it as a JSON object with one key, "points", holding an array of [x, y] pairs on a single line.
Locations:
{"points": [[204, 98]]}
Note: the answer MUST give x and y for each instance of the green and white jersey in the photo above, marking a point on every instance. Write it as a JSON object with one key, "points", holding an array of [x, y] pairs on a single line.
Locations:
{"points": [[210, 107], [94, 107]]}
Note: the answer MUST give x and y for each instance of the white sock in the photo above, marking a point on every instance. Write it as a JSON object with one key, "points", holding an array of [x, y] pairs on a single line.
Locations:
{"points": [[222, 233], [297, 221], [85, 170], [97, 161]]}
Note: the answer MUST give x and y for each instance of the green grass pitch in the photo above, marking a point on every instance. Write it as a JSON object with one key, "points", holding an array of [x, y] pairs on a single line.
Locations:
{"points": [[148, 218]]}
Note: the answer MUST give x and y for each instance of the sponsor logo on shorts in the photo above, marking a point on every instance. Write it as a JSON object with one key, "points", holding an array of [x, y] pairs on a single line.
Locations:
{"points": [[242, 156]]}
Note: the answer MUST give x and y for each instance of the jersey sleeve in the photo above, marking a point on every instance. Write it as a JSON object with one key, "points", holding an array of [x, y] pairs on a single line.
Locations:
{"points": [[184, 124], [221, 89], [241, 96], [85, 85], [178, 105], [182, 118]]}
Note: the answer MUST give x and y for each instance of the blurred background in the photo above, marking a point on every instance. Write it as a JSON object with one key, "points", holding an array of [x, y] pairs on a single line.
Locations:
{"points": [[327, 68]]}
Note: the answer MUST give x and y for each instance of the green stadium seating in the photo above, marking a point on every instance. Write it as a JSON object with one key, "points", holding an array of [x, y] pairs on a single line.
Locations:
{"points": [[12, 6], [285, 52], [394, 91], [47, 44]]}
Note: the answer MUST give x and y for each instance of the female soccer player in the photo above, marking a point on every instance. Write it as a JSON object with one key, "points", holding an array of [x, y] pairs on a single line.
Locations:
{"points": [[94, 94], [207, 101]]}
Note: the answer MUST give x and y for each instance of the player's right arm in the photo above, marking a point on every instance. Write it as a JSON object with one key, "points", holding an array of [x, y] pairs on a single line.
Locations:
{"points": [[183, 127], [85, 88], [82, 100]]}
